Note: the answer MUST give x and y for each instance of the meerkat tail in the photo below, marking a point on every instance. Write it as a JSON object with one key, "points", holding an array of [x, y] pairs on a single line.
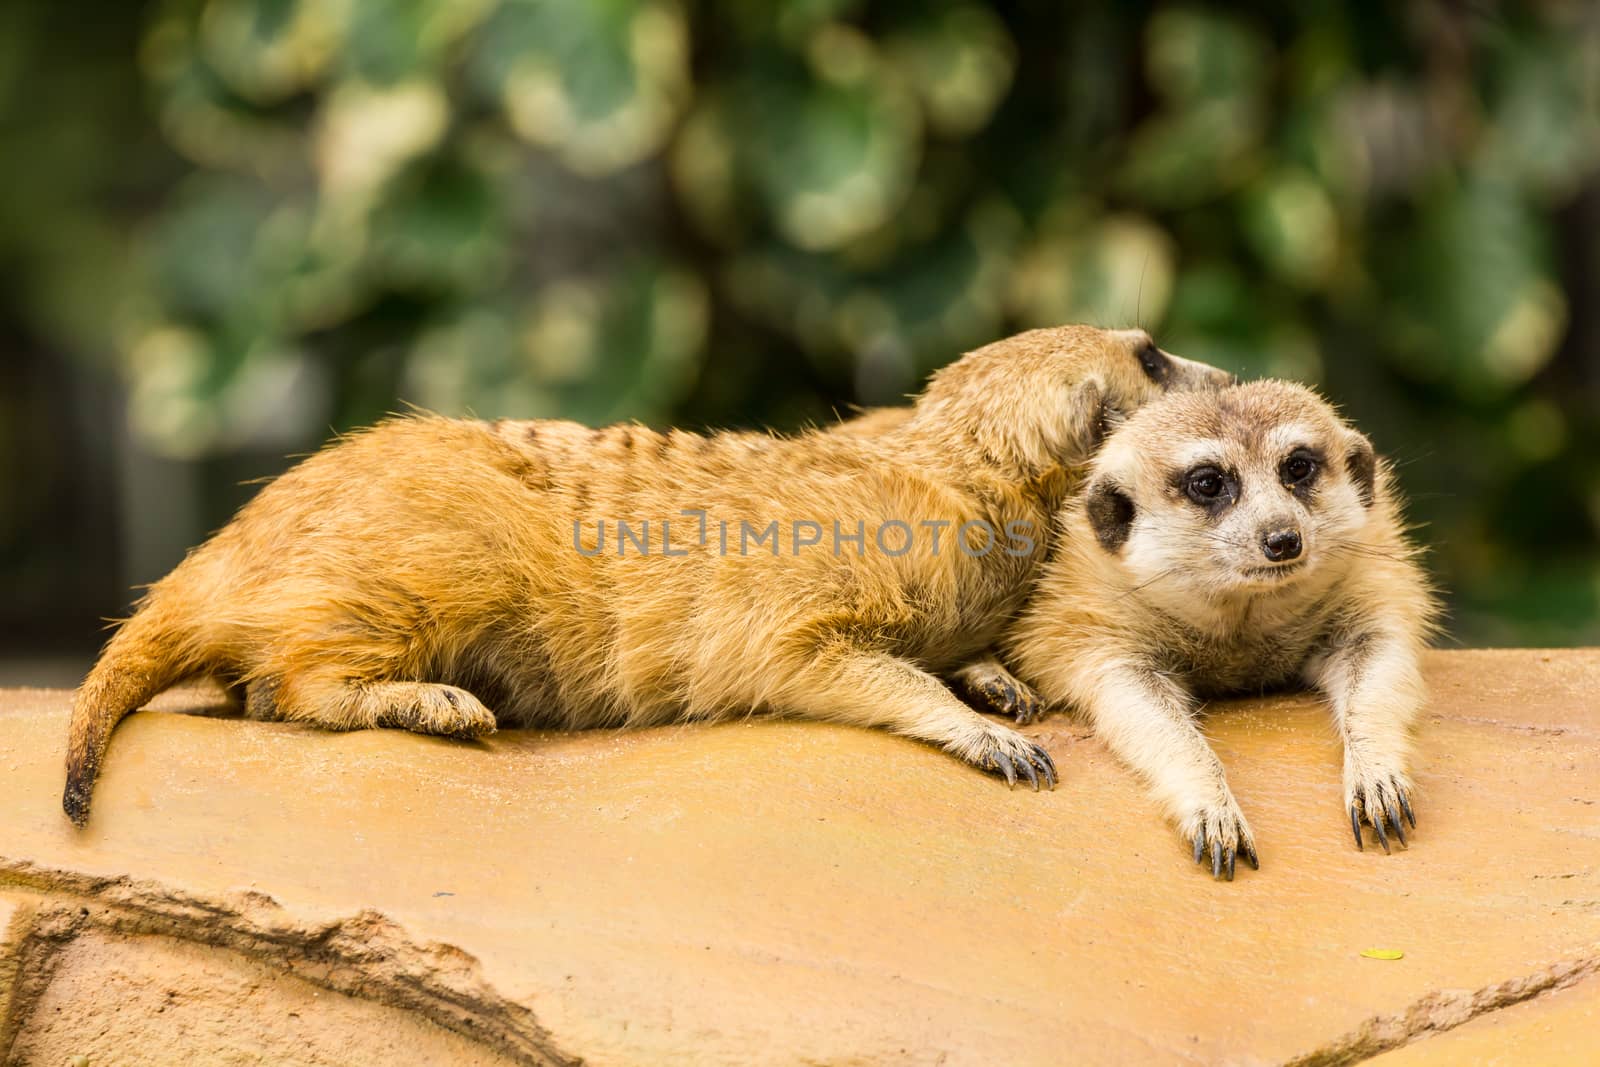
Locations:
{"points": [[147, 654]]}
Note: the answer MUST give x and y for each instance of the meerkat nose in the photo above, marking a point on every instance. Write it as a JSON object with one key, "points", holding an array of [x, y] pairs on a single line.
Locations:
{"points": [[1280, 546]]}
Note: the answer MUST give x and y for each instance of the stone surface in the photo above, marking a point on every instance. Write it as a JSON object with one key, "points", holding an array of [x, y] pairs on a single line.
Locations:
{"points": [[218, 1008], [784, 892], [1561, 1029]]}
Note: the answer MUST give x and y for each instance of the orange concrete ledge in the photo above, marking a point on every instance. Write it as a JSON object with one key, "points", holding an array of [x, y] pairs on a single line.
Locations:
{"points": [[776, 893]]}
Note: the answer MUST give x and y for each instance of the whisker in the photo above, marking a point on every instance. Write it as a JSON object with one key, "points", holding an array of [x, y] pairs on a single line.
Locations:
{"points": [[1167, 572]]}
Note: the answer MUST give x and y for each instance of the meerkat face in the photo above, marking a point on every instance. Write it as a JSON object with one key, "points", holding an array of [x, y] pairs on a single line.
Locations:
{"points": [[1050, 395], [1246, 490]]}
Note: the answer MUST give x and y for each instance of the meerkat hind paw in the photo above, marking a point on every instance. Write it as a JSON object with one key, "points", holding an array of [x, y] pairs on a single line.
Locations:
{"points": [[442, 710], [998, 692]]}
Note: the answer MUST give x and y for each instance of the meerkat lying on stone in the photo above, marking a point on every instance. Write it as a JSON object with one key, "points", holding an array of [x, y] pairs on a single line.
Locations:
{"points": [[1230, 542], [445, 576]]}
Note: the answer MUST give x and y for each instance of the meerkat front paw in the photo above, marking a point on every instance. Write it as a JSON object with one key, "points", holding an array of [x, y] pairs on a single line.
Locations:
{"points": [[996, 690], [1004, 752], [1377, 795], [1219, 831]]}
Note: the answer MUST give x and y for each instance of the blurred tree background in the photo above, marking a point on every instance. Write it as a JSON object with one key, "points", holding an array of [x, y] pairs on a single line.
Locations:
{"points": [[230, 226]]}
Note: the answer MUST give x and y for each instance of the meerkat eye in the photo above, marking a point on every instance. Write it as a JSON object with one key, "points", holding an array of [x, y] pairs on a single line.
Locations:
{"points": [[1298, 468], [1153, 362], [1204, 484]]}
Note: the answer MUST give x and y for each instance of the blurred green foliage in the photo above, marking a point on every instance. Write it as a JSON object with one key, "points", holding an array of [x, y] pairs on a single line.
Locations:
{"points": [[740, 212]]}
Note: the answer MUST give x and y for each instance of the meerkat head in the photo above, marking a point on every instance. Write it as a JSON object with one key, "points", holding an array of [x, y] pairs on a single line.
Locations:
{"points": [[1246, 490], [1048, 396]]}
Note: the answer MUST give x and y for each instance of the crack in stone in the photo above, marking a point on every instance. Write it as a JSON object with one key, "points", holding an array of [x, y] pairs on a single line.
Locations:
{"points": [[1532, 729], [1446, 1010], [365, 955]]}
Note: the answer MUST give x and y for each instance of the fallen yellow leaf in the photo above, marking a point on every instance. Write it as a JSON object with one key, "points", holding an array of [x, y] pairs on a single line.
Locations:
{"points": [[1383, 953]]}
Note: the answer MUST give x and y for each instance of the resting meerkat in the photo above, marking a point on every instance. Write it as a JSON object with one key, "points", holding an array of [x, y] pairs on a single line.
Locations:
{"points": [[1231, 542], [448, 576]]}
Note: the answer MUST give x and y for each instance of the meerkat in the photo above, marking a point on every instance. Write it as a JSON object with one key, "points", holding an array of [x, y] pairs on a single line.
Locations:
{"points": [[449, 576], [1231, 541]]}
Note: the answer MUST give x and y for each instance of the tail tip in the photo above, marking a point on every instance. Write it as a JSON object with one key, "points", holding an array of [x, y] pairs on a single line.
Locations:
{"points": [[75, 802]]}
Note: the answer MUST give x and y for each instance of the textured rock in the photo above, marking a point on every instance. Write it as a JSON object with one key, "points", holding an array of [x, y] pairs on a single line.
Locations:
{"points": [[134, 1000], [774, 892], [1560, 1029]]}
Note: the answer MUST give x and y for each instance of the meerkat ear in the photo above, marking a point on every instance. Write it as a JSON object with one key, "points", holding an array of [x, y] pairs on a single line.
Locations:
{"points": [[1088, 418], [1110, 513], [1362, 465]]}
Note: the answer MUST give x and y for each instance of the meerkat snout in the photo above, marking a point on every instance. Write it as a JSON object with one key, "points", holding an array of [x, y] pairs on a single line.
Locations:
{"points": [[1281, 546]]}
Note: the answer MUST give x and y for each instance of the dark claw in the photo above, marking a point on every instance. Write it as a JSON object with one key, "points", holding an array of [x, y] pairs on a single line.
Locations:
{"points": [[1199, 844], [1216, 859], [1047, 765], [1355, 826], [1249, 852], [1399, 830], [1026, 765], [1231, 855], [1405, 806], [1377, 824], [1006, 768]]}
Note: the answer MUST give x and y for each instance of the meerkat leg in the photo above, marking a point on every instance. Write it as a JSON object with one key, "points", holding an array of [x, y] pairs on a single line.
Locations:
{"points": [[879, 690], [1148, 722], [1375, 690], [333, 702], [989, 686]]}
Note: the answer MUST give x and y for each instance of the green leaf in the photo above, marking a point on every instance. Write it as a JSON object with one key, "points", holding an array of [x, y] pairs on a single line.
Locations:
{"points": [[1193, 56], [1291, 223], [204, 248], [1472, 296], [599, 83], [438, 230], [829, 157], [960, 58]]}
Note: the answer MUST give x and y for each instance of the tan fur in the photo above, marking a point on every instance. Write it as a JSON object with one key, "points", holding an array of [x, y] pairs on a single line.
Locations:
{"points": [[873, 422], [424, 574], [1134, 632]]}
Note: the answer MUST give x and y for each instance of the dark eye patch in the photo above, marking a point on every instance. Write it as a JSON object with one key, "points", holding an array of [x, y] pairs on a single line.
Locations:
{"points": [[1299, 469], [1154, 362], [1209, 486], [1111, 515]]}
